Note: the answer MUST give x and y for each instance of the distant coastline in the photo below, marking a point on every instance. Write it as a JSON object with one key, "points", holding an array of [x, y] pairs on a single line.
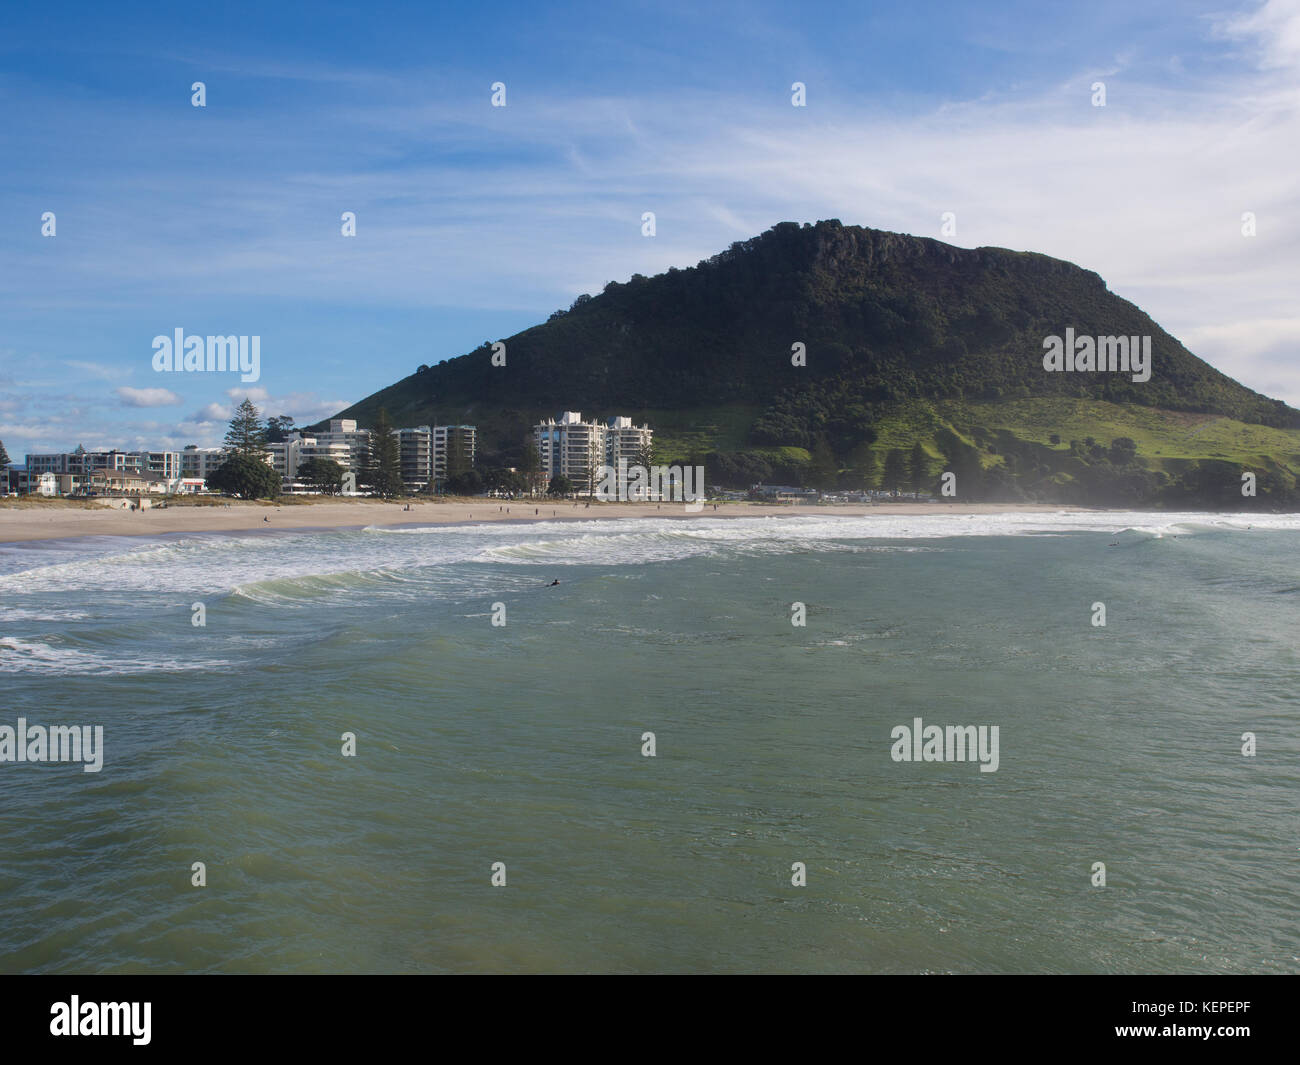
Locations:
{"points": [[55, 521]]}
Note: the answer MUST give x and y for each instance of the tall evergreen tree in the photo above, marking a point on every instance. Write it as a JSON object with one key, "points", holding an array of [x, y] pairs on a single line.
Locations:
{"points": [[246, 435], [823, 470], [918, 469], [963, 462], [592, 472], [864, 465], [4, 455], [278, 429], [531, 466], [895, 470], [458, 463], [384, 465], [645, 454]]}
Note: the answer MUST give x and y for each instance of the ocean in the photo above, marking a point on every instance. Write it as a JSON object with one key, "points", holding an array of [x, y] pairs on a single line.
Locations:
{"points": [[772, 830]]}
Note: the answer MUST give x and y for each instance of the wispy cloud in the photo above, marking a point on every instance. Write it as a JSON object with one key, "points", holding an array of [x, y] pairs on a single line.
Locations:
{"points": [[213, 412], [98, 370], [147, 397]]}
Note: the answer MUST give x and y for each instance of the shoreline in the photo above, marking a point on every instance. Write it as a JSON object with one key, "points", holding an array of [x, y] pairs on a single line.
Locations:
{"points": [[35, 522]]}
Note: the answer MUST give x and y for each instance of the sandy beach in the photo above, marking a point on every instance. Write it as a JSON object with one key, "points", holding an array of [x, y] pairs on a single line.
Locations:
{"points": [[60, 520]]}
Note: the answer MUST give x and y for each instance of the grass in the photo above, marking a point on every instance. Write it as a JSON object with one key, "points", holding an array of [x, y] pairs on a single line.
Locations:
{"points": [[679, 434], [33, 502], [1165, 439]]}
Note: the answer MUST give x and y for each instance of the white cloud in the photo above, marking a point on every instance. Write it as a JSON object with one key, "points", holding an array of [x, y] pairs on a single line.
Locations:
{"points": [[1274, 29], [213, 412], [99, 370], [147, 397]]}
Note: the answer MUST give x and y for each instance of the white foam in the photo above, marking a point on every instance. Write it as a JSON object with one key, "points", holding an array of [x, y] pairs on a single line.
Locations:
{"points": [[335, 561], [18, 655]]}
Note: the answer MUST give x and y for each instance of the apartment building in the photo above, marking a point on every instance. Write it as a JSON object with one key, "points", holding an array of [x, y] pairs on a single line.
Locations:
{"points": [[415, 449], [344, 431], [447, 437], [166, 464], [569, 446], [199, 462], [287, 456], [627, 442], [425, 450]]}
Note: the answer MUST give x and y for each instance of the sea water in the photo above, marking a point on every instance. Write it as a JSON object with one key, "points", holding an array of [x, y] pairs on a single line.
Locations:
{"points": [[773, 828]]}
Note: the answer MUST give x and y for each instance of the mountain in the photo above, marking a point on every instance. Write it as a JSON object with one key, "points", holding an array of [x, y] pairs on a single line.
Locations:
{"points": [[908, 341]]}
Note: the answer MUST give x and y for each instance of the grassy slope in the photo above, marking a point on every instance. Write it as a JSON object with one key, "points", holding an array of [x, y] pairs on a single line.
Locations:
{"points": [[1165, 439]]}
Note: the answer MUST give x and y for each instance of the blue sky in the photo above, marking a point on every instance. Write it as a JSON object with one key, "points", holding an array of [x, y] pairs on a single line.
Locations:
{"points": [[474, 222]]}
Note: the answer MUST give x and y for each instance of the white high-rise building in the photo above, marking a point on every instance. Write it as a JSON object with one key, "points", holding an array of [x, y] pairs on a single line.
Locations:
{"points": [[626, 441], [572, 448], [445, 437], [424, 450], [569, 446]]}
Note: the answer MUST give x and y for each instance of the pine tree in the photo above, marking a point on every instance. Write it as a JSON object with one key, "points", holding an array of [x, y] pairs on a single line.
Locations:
{"points": [[246, 435], [531, 466], [895, 470], [645, 454], [457, 460], [384, 464], [592, 472], [823, 470], [278, 429], [863, 461], [918, 468], [4, 455]]}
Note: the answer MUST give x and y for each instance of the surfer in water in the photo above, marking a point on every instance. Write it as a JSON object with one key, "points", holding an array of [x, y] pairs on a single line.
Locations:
{"points": [[553, 583]]}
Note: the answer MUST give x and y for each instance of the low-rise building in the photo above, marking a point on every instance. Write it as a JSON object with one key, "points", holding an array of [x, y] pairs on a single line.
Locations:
{"points": [[288, 456]]}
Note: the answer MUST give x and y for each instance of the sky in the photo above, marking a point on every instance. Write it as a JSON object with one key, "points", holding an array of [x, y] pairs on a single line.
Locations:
{"points": [[475, 221]]}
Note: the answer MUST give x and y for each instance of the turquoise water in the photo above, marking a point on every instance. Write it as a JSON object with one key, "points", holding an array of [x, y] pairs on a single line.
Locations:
{"points": [[521, 744]]}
